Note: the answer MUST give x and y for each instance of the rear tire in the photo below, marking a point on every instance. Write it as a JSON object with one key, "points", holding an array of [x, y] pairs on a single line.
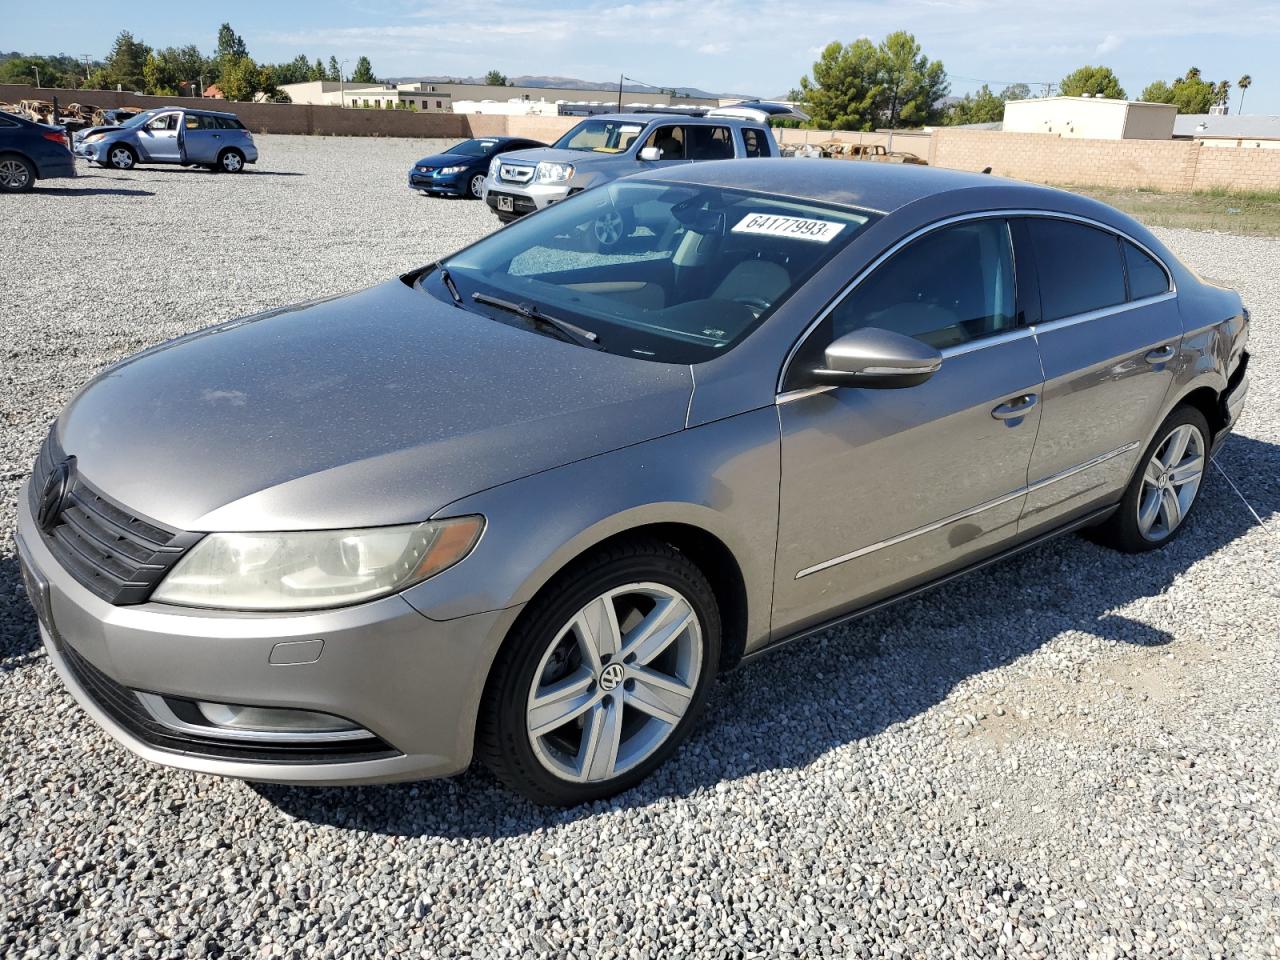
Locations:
{"points": [[566, 641], [17, 174], [1164, 488], [230, 161]]}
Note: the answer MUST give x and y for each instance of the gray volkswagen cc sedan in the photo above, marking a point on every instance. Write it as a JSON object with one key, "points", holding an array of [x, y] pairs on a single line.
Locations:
{"points": [[527, 502]]}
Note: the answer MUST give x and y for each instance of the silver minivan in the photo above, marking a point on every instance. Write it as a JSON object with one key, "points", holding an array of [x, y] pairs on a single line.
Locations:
{"points": [[527, 502]]}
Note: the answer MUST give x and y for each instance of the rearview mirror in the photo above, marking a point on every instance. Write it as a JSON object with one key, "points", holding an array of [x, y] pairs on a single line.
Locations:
{"points": [[881, 359], [650, 153]]}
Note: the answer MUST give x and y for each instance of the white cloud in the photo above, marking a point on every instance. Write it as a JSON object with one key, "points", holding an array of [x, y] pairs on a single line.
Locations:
{"points": [[1109, 43], [714, 48]]}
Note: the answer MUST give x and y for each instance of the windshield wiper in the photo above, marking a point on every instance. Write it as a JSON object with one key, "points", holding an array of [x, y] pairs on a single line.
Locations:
{"points": [[568, 331], [448, 284]]}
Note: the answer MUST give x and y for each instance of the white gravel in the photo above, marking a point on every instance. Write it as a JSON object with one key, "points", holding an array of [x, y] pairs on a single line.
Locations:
{"points": [[1074, 754]]}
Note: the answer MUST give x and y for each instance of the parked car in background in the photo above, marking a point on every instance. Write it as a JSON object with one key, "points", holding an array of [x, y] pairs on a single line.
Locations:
{"points": [[31, 151], [192, 138], [603, 148], [529, 501], [460, 170]]}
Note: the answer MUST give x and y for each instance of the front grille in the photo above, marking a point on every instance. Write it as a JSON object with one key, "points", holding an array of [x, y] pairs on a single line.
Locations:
{"points": [[515, 172], [122, 705], [112, 551]]}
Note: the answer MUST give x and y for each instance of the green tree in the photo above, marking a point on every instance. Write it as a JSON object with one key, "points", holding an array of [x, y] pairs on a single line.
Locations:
{"points": [[363, 73], [495, 78], [1094, 81], [242, 79], [231, 45], [335, 71], [1243, 84], [912, 82], [1190, 93], [48, 70], [1016, 91], [981, 107], [297, 70], [124, 64], [317, 71], [167, 70], [845, 89], [1157, 92]]}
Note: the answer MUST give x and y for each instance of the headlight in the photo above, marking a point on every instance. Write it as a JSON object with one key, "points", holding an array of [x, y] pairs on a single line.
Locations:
{"points": [[549, 172], [94, 137], [325, 568], [493, 166], [445, 171]]}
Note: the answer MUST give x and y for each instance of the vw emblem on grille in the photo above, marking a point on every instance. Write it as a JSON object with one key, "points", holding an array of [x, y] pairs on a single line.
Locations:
{"points": [[611, 676], [53, 496]]}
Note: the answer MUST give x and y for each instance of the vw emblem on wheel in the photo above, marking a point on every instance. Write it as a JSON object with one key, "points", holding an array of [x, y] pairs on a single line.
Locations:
{"points": [[53, 497], [611, 676]]}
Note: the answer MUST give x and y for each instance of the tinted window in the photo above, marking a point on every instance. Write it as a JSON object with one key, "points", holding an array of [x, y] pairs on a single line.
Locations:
{"points": [[756, 142], [708, 143], [228, 123], [947, 288], [669, 141], [1079, 267], [1146, 277]]}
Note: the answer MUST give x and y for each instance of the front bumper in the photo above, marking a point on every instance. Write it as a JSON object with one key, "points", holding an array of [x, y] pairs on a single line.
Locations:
{"points": [[413, 682], [455, 185], [525, 198]]}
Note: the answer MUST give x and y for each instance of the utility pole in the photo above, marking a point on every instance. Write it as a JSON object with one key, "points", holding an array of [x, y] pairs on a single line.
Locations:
{"points": [[342, 90], [86, 58], [37, 70], [620, 79]]}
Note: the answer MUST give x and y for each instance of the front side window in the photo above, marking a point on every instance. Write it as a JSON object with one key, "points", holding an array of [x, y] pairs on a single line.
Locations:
{"points": [[708, 143], [1146, 277], [670, 141], [1079, 267], [676, 273], [947, 288], [167, 121]]}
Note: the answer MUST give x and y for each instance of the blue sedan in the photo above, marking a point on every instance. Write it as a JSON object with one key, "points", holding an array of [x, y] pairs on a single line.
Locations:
{"points": [[31, 151], [460, 170]]}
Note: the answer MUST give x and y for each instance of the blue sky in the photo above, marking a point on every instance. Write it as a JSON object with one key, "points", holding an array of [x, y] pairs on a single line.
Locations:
{"points": [[746, 46]]}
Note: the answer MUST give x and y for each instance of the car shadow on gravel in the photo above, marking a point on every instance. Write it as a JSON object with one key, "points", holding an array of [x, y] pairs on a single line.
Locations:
{"points": [[248, 171], [94, 192], [789, 708]]}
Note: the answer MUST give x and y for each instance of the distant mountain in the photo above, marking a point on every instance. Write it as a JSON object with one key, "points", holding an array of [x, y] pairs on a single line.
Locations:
{"points": [[567, 83]]}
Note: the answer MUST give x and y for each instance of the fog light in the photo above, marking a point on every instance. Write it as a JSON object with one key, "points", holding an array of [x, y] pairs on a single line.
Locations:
{"points": [[271, 719]]}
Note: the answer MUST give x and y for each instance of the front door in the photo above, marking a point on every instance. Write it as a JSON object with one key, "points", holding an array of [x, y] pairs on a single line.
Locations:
{"points": [[158, 139], [1109, 339], [884, 489]]}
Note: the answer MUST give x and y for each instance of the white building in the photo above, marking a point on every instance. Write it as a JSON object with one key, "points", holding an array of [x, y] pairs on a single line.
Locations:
{"points": [[439, 97], [1096, 118], [1258, 131]]}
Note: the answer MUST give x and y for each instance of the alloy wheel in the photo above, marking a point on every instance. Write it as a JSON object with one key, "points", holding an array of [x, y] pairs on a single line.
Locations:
{"points": [[14, 174], [231, 162], [477, 186], [614, 683], [1170, 481], [608, 228], [121, 158]]}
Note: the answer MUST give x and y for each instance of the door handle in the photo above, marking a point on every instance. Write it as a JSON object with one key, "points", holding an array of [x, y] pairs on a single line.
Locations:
{"points": [[1162, 354], [1017, 407]]}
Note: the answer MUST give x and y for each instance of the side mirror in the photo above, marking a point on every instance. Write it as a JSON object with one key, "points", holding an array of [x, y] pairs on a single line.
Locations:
{"points": [[881, 359], [650, 153]]}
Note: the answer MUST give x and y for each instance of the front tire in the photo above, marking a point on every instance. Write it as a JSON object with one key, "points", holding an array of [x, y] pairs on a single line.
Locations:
{"points": [[476, 187], [603, 677], [121, 157], [17, 175], [1165, 486]]}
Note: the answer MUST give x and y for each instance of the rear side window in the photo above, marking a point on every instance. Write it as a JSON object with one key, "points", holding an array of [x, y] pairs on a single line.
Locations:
{"points": [[756, 142], [228, 123], [708, 143], [1079, 267], [1146, 277], [947, 288]]}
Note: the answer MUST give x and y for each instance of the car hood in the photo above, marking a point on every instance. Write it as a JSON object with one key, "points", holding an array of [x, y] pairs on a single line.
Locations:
{"points": [[373, 408], [579, 158], [87, 131], [445, 159]]}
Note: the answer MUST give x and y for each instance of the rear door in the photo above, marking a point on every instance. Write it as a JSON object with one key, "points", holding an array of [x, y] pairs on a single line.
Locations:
{"points": [[158, 138], [202, 138], [883, 490], [1109, 338]]}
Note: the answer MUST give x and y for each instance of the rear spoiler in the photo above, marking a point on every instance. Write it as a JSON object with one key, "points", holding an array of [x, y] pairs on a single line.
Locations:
{"points": [[761, 111]]}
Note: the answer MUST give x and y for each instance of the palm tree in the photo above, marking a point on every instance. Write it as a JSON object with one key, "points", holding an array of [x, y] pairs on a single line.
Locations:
{"points": [[1222, 93], [1193, 73], [1243, 83]]}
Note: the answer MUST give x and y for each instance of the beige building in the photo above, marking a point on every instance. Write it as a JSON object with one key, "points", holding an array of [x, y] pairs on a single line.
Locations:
{"points": [[1091, 118], [440, 97]]}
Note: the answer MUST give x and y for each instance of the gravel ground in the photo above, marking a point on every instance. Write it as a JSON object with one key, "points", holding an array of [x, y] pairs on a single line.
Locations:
{"points": [[1072, 755]]}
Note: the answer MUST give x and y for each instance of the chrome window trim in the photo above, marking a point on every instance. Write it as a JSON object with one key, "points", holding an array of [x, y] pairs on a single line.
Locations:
{"points": [[984, 215], [1049, 326], [964, 514]]}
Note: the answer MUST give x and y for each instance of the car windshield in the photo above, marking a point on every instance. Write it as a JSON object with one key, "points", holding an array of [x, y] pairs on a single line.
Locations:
{"points": [[474, 148], [671, 272], [601, 136], [139, 119]]}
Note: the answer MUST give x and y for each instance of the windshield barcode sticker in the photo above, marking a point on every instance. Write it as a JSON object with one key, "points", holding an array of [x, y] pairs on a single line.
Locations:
{"points": [[798, 228]]}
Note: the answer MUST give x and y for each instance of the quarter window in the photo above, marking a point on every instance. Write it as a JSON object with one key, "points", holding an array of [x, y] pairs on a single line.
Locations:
{"points": [[756, 142], [947, 288], [1146, 277], [1079, 267]]}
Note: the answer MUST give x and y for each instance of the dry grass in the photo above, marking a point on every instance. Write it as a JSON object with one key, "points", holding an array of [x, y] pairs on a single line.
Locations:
{"points": [[1246, 213]]}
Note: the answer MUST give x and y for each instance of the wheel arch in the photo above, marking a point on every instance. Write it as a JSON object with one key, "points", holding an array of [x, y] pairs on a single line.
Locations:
{"points": [[14, 152]]}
